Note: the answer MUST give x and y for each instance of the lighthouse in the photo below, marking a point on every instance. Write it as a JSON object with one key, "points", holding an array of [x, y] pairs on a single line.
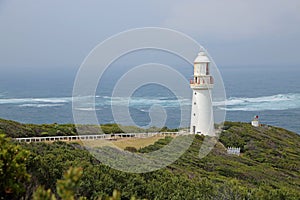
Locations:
{"points": [[202, 119]]}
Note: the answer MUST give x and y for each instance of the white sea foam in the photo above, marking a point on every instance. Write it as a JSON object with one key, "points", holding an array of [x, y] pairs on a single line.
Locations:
{"points": [[86, 109], [35, 100], [274, 102], [40, 105], [141, 101]]}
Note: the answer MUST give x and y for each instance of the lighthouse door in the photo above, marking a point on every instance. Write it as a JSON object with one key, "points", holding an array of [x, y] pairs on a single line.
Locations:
{"points": [[194, 129]]}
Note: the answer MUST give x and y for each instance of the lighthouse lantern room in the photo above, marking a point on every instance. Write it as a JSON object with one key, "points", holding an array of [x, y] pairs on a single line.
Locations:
{"points": [[202, 120]]}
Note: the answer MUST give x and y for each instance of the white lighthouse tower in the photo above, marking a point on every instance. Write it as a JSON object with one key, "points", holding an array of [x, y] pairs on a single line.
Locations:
{"points": [[202, 120]]}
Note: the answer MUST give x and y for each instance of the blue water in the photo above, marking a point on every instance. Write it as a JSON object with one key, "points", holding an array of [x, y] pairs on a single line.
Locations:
{"points": [[34, 96]]}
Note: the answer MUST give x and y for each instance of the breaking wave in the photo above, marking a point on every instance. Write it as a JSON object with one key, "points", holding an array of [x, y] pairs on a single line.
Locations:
{"points": [[35, 100], [274, 102], [87, 109], [41, 105]]}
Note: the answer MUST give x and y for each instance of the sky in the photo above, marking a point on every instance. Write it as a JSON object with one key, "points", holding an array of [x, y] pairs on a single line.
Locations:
{"points": [[53, 34]]}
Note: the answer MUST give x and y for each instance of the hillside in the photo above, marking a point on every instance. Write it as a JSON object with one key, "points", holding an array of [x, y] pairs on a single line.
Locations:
{"points": [[15, 129], [270, 156], [268, 168]]}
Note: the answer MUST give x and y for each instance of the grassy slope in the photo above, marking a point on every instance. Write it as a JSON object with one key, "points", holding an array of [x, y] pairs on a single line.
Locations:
{"points": [[16, 129], [137, 143], [269, 156]]}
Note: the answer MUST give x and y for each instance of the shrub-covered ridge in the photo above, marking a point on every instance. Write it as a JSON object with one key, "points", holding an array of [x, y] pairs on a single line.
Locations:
{"points": [[268, 168]]}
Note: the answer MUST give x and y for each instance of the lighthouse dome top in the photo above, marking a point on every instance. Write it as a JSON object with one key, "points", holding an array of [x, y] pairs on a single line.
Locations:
{"points": [[202, 57]]}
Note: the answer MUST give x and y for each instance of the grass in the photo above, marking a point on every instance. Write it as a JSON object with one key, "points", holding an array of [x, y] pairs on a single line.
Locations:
{"points": [[136, 142], [122, 143], [269, 164]]}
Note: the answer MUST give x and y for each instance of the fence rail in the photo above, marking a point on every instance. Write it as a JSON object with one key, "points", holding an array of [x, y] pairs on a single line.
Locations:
{"points": [[96, 137]]}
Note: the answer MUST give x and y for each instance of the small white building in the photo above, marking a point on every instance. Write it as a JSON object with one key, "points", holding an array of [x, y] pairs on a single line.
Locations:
{"points": [[255, 121], [202, 120], [234, 150]]}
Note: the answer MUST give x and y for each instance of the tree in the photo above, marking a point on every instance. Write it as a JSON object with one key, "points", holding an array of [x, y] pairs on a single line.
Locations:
{"points": [[66, 188], [13, 173]]}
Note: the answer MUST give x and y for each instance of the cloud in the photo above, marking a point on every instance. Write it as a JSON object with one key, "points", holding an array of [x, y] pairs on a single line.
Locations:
{"points": [[61, 33], [235, 19]]}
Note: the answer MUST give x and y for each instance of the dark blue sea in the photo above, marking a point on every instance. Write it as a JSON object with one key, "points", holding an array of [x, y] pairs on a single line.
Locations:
{"points": [[32, 95]]}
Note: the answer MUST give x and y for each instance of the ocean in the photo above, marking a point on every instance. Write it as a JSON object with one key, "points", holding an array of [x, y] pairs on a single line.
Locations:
{"points": [[29, 95]]}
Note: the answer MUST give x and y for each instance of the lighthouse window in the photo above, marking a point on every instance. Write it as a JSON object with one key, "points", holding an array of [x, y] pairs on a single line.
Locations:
{"points": [[202, 69], [194, 103], [207, 69], [194, 114], [195, 93]]}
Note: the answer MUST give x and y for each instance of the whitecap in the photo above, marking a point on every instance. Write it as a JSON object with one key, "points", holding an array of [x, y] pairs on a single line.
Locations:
{"points": [[35, 100], [40, 105], [86, 109], [273, 102]]}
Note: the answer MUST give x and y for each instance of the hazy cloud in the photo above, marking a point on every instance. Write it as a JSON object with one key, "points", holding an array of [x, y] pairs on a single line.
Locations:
{"points": [[61, 33], [236, 19]]}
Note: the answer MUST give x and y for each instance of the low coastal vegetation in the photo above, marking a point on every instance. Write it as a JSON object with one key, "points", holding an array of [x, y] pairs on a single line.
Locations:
{"points": [[267, 168], [15, 129]]}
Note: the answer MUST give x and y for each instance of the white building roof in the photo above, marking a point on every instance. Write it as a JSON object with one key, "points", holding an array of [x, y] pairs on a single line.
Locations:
{"points": [[201, 58]]}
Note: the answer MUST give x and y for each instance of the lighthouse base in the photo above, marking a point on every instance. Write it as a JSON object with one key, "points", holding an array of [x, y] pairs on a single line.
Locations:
{"points": [[202, 121]]}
